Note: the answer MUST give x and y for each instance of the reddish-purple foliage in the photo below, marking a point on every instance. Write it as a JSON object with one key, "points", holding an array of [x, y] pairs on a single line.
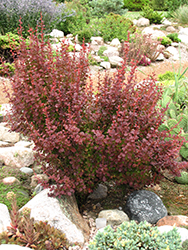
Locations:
{"points": [[88, 136]]}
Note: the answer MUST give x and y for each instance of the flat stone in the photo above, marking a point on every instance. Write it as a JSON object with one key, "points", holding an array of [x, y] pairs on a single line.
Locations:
{"points": [[174, 220], [145, 205], [10, 180], [114, 217], [26, 170]]}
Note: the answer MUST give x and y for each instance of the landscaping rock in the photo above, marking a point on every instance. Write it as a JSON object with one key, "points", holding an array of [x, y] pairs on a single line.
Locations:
{"points": [[160, 57], [57, 33], [13, 247], [115, 61], [97, 40], [174, 52], [143, 22], [38, 189], [62, 214], [174, 220], [4, 218], [38, 177], [10, 180], [111, 51], [26, 144], [105, 65], [182, 231], [17, 156], [154, 33], [99, 193], [26, 170], [166, 22], [8, 136], [183, 35], [170, 29], [113, 217], [115, 43], [145, 205]]}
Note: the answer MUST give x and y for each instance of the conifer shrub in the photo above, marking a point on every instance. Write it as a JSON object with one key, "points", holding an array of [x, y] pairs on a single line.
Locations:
{"points": [[153, 16], [135, 5], [86, 135], [100, 8], [116, 26]]}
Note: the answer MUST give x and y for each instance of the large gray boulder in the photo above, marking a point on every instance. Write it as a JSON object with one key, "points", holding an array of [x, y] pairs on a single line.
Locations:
{"points": [[62, 214], [145, 205]]}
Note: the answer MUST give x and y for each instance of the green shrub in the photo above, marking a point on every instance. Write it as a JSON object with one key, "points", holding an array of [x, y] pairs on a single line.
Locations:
{"points": [[84, 35], [7, 66], [104, 7], [183, 179], [116, 26], [174, 37], [181, 14], [77, 21], [7, 42], [172, 5], [135, 5], [130, 235], [153, 16], [168, 75], [101, 50], [159, 5], [185, 245], [166, 41]]}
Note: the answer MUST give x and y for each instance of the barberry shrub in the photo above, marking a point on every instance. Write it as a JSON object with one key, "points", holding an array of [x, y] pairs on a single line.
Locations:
{"points": [[85, 134]]}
